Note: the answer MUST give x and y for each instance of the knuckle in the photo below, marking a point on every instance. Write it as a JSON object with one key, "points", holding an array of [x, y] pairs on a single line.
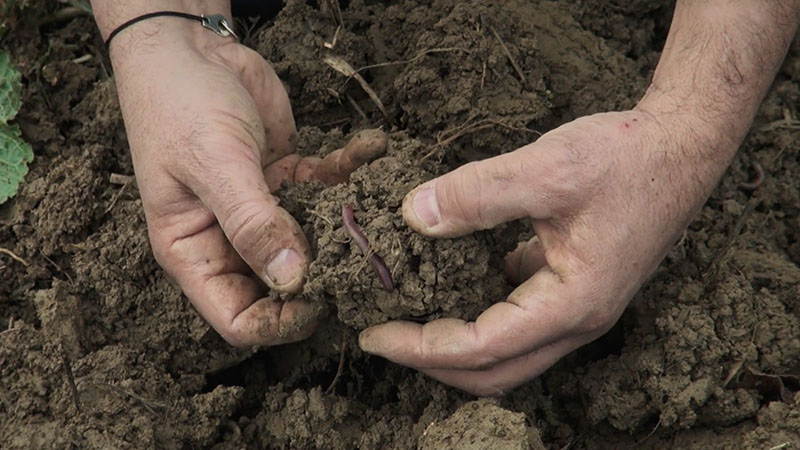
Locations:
{"points": [[566, 170], [208, 154], [237, 136], [463, 195]]}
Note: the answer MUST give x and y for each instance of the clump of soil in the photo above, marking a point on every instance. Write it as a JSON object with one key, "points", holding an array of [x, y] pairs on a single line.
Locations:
{"points": [[480, 425], [432, 277]]}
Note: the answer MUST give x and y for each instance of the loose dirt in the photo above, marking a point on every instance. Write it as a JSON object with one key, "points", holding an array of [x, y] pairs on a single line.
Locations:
{"points": [[99, 349]]}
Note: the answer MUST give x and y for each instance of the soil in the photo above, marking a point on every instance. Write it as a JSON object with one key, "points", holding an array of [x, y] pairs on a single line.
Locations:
{"points": [[99, 349], [432, 276]]}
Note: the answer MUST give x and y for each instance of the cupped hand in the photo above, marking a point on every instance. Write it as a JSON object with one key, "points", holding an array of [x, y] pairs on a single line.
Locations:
{"points": [[608, 195], [212, 135]]}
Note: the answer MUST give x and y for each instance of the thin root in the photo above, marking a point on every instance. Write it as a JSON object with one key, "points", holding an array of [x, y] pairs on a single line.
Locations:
{"points": [[467, 129], [14, 256], [63, 272], [419, 56], [357, 108], [514, 63], [314, 213], [70, 379], [340, 369], [359, 268], [152, 407], [116, 198], [332, 44]]}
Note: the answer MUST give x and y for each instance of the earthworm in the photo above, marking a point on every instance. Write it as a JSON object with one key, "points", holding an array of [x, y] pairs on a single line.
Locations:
{"points": [[753, 185], [384, 275]]}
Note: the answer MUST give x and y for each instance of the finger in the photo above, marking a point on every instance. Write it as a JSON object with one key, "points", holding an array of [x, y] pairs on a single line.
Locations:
{"points": [[363, 148], [525, 261], [268, 239], [223, 290], [541, 311], [271, 100], [236, 306], [505, 376], [290, 169], [476, 196]]}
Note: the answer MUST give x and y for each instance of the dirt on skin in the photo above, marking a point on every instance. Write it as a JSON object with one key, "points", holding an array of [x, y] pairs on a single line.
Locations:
{"points": [[99, 349]]}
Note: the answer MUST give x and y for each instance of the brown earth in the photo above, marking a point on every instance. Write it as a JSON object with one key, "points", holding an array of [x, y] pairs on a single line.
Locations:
{"points": [[98, 349]]}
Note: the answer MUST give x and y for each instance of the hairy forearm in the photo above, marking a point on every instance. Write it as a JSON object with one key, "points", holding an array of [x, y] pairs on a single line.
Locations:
{"points": [[718, 62]]}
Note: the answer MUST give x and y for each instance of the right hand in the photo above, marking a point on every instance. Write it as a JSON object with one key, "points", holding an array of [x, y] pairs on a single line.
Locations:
{"points": [[211, 134]]}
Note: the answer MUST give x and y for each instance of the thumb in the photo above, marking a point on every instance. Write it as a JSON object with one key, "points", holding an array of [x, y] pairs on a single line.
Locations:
{"points": [[476, 196], [265, 235]]}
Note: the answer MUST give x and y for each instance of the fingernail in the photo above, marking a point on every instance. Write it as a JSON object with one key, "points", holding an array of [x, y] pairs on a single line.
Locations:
{"points": [[426, 208], [365, 343], [285, 267]]}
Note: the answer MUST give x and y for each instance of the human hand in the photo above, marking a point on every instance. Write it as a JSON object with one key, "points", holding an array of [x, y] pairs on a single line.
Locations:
{"points": [[608, 195], [212, 135]]}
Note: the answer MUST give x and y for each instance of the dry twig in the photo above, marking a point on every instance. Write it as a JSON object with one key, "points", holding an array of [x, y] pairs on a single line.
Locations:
{"points": [[116, 198], [514, 63], [70, 379], [357, 108], [711, 274], [340, 65], [121, 180]]}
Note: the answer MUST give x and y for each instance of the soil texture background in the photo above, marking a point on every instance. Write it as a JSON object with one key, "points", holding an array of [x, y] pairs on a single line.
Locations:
{"points": [[99, 349]]}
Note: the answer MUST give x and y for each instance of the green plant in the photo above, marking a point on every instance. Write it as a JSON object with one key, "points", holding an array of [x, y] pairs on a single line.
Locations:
{"points": [[15, 153]]}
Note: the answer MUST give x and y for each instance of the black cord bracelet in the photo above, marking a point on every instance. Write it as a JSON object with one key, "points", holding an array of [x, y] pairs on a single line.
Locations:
{"points": [[216, 23]]}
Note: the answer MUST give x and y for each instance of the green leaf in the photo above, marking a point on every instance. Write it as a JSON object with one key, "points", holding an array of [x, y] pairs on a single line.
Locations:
{"points": [[15, 154], [10, 87]]}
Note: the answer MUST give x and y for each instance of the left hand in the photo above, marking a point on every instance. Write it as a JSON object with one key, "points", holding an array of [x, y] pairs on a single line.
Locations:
{"points": [[608, 196]]}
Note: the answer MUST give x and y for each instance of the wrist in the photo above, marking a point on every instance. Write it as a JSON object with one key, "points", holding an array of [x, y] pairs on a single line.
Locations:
{"points": [[711, 135], [156, 31]]}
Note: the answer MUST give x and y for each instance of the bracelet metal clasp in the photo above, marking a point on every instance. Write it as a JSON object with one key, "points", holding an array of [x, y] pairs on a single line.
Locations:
{"points": [[219, 24]]}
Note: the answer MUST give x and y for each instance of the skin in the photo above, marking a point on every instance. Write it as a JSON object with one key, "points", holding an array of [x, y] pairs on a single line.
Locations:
{"points": [[211, 131], [212, 134], [608, 195]]}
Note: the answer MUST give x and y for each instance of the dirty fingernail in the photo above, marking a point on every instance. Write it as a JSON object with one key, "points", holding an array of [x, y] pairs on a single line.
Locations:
{"points": [[426, 208], [366, 343], [285, 267]]}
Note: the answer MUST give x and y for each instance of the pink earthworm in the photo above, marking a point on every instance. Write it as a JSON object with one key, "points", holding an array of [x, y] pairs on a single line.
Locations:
{"points": [[349, 221]]}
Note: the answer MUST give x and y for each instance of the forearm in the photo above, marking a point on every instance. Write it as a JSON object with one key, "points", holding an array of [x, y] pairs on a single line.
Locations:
{"points": [[718, 62]]}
